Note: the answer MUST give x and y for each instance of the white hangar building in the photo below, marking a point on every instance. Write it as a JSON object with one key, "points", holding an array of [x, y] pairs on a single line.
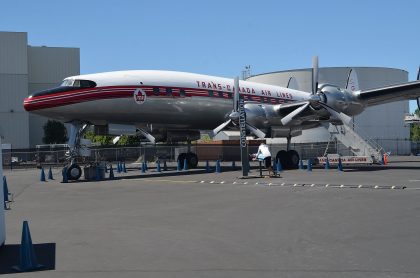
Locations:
{"points": [[383, 123], [24, 70]]}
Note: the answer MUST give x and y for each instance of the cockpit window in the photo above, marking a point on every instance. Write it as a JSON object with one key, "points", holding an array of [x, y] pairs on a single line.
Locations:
{"points": [[78, 83], [67, 82], [66, 86], [84, 83]]}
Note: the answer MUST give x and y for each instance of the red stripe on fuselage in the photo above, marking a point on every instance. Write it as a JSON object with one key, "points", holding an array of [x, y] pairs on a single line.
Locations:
{"points": [[110, 92]]}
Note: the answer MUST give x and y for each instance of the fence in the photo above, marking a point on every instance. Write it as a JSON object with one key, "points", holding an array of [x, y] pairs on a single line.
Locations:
{"points": [[36, 157]]}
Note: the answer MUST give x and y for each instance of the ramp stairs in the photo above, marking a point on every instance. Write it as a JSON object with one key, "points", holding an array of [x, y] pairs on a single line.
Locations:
{"points": [[358, 145]]}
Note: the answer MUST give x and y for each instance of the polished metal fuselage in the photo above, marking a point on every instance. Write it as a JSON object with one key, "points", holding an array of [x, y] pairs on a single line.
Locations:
{"points": [[182, 113]]}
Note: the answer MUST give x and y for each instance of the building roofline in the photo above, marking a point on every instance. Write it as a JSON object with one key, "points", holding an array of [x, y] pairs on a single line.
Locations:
{"points": [[308, 69], [46, 46]]}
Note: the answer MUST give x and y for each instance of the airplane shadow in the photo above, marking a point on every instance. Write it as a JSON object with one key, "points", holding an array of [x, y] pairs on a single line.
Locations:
{"points": [[173, 172], [133, 173], [9, 257]]}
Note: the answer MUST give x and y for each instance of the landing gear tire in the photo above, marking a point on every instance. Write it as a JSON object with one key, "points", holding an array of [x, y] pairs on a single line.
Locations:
{"points": [[192, 160], [181, 158], [282, 156], [288, 159], [74, 172], [293, 159]]}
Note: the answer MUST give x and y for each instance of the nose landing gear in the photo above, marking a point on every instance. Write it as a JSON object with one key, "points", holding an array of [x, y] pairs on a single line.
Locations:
{"points": [[74, 172], [77, 129]]}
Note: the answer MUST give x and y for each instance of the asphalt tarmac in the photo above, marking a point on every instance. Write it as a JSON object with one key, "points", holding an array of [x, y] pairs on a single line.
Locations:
{"points": [[324, 223]]}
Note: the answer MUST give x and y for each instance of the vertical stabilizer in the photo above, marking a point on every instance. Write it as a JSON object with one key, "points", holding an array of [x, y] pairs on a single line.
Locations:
{"points": [[292, 84], [352, 81]]}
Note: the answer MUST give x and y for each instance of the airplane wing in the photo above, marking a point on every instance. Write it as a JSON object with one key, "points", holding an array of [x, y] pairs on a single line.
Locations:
{"points": [[405, 91]]}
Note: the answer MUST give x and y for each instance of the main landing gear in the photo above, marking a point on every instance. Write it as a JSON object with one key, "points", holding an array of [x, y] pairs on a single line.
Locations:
{"points": [[192, 158], [288, 158]]}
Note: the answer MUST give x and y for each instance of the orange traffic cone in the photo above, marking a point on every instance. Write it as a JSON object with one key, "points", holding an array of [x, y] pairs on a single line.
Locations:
{"points": [[385, 159]]}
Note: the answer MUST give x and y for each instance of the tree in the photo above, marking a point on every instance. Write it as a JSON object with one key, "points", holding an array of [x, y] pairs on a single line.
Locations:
{"points": [[129, 140], [415, 129], [103, 140], [54, 132]]}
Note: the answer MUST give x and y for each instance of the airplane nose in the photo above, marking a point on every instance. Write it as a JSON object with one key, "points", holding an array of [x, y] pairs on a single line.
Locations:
{"points": [[27, 104], [42, 98]]}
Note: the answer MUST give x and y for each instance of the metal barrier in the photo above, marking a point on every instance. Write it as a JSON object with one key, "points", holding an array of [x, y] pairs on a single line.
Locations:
{"points": [[30, 158]]}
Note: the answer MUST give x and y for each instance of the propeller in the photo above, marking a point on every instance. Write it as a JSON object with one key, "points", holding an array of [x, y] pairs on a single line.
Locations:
{"points": [[314, 75], [315, 100], [418, 78], [339, 115], [234, 116], [116, 139], [285, 120]]}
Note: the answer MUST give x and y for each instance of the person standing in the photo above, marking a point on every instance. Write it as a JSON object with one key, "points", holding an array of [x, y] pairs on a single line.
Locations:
{"points": [[265, 154]]}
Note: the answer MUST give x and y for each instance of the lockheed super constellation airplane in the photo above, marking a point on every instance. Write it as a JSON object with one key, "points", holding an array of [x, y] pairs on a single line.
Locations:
{"points": [[175, 106]]}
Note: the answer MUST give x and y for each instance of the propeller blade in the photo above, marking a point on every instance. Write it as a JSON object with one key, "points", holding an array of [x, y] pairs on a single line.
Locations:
{"points": [[116, 139], [256, 131], [147, 135], [418, 74], [314, 75], [219, 128], [286, 119], [236, 95], [339, 115], [418, 99]]}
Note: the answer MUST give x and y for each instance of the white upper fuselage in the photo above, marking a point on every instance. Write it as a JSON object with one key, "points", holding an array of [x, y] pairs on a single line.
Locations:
{"points": [[189, 80]]}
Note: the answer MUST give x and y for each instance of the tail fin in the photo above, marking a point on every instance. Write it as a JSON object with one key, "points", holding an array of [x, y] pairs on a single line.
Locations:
{"points": [[352, 81], [292, 84]]}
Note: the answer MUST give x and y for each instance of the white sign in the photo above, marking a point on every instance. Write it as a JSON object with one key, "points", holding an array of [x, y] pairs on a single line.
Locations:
{"points": [[346, 160], [140, 96]]}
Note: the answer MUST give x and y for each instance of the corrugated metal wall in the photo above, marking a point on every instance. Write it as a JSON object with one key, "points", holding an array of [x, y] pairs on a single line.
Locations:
{"points": [[13, 53], [383, 123], [24, 70], [14, 121], [48, 66]]}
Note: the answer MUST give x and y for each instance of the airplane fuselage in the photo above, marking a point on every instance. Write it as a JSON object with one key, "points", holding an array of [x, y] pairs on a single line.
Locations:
{"points": [[162, 98]]}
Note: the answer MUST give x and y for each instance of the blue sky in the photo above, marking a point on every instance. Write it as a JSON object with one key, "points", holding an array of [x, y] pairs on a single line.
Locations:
{"points": [[221, 37]]}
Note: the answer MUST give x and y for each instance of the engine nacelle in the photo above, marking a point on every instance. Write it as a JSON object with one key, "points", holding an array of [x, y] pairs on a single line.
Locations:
{"points": [[340, 99], [256, 115]]}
